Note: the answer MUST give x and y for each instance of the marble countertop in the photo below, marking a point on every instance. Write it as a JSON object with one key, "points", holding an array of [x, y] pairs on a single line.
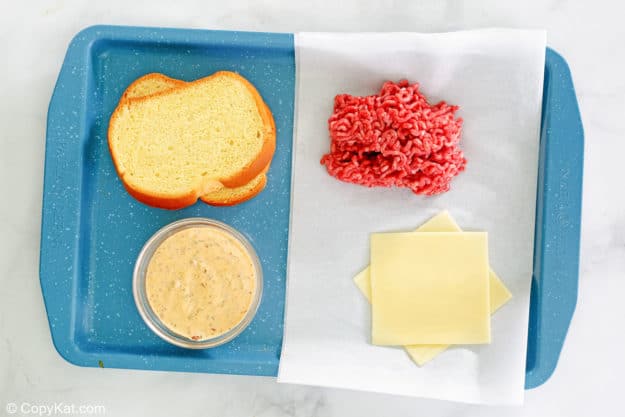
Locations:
{"points": [[33, 39]]}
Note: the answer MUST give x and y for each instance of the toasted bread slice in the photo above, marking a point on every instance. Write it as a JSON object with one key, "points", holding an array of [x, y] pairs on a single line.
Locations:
{"points": [[182, 143], [155, 82]]}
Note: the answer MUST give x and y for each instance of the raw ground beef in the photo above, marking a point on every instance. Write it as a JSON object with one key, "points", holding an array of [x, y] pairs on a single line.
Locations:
{"points": [[395, 139]]}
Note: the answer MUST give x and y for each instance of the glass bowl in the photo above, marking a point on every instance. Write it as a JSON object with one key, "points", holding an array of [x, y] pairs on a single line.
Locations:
{"points": [[139, 287]]}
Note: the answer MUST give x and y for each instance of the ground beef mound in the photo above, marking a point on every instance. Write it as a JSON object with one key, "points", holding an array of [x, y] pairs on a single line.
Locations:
{"points": [[395, 139]]}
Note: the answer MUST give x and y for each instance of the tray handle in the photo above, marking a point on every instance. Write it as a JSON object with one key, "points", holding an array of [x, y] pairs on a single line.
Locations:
{"points": [[558, 218]]}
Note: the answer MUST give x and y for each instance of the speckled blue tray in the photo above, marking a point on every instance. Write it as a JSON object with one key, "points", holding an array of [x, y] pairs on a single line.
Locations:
{"points": [[92, 230]]}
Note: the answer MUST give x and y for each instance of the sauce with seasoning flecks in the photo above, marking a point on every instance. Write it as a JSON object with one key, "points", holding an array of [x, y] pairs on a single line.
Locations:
{"points": [[200, 282]]}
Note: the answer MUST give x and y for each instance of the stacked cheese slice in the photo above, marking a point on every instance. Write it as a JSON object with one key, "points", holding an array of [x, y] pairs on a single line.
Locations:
{"points": [[431, 288]]}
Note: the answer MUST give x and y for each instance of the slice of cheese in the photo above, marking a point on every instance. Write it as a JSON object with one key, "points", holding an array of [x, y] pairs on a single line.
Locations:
{"points": [[429, 288], [499, 294]]}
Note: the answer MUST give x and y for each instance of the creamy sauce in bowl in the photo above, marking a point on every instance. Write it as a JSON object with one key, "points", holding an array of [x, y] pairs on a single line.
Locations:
{"points": [[200, 282]]}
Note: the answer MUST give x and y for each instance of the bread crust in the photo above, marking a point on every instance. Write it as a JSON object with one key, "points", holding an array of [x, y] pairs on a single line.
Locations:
{"points": [[162, 201], [248, 173], [234, 201], [231, 201]]}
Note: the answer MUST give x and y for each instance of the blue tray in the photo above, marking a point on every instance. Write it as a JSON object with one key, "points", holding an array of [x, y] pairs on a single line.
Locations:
{"points": [[92, 230]]}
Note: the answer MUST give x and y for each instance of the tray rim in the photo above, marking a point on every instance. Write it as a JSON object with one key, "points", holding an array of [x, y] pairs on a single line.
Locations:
{"points": [[558, 221], [566, 122]]}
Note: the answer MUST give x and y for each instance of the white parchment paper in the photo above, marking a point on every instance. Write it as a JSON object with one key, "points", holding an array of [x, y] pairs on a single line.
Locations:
{"points": [[496, 77]]}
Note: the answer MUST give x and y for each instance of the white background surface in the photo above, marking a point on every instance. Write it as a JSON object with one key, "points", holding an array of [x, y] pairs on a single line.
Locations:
{"points": [[33, 40]]}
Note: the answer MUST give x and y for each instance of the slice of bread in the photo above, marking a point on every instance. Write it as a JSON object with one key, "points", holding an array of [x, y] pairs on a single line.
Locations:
{"points": [[156, 82], [171, 147]]}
